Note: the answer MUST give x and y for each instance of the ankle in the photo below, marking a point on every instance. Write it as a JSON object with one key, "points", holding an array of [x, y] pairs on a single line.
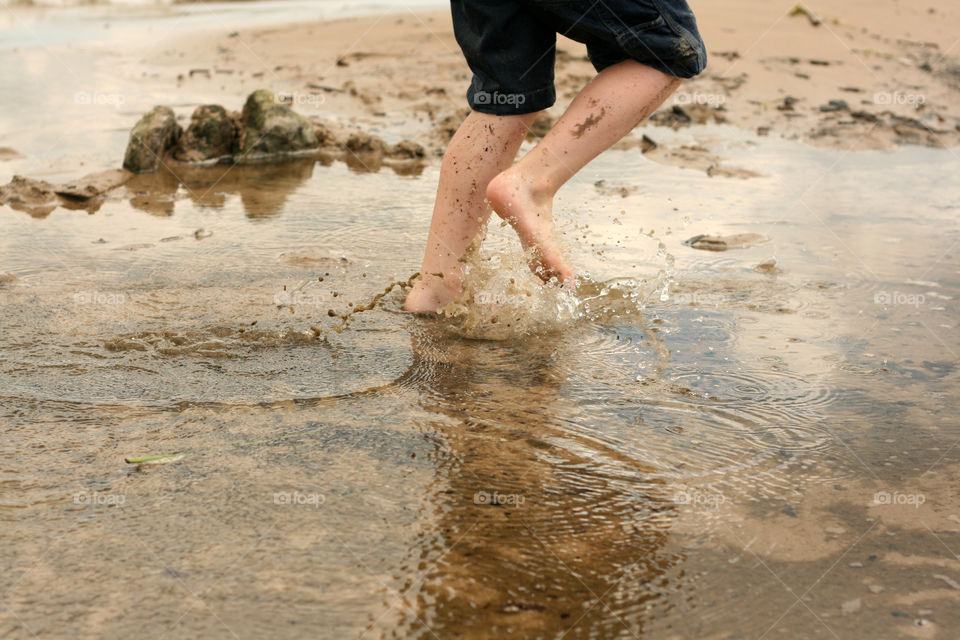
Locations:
{"points": [[514, 182]]}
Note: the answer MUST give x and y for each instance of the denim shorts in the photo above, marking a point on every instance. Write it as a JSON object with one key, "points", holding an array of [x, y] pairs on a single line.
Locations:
{"points": [[510, 45]]}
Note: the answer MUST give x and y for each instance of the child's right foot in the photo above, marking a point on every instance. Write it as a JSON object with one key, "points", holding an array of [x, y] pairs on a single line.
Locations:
{"points": [[531, 216]]}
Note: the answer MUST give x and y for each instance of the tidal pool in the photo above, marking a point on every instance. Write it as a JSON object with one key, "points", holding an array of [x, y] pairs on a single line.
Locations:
{"points": [[751, 443]]}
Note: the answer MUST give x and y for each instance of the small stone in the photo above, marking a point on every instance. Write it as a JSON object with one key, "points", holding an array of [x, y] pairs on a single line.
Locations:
{"points": [[725, 243], [768, 266], [6, 153], [94, 184], [834, 530], [407, 150], [876, 588], [850, 606], [36, 197], [856, 565], [835, 105]]}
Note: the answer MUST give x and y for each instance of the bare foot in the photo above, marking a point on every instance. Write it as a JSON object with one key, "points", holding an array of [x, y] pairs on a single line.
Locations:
{"points": [[431, 293], [531, 216]]}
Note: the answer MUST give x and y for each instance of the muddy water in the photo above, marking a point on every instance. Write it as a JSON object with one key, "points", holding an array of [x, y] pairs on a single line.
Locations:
{"points": [[754, 443]]}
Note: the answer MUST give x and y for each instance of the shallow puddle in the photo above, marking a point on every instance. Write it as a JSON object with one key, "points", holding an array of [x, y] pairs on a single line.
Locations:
{"points": [[694, 444]]}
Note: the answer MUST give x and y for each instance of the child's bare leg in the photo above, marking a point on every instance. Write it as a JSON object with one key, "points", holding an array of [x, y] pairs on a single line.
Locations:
{"points": [[607, 109], [483, 146]]}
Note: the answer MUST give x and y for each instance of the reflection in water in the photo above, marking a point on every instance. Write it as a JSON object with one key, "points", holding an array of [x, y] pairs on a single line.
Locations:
{"points": [[263, 188], [539, 532]]}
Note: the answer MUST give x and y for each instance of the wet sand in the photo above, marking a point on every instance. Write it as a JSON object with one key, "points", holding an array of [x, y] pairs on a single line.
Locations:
{"points": [[867, 77], [756, 442]]}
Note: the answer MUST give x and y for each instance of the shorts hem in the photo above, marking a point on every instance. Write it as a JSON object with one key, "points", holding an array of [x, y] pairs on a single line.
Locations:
{"points": [[506, 103]]}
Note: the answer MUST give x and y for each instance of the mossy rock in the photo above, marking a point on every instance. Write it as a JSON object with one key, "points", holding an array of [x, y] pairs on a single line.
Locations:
{"points": [[150, 138], [268, 126], [212, 134]]}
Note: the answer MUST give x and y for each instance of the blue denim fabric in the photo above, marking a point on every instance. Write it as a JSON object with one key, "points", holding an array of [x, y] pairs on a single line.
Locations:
{"points": [[510, 45]]}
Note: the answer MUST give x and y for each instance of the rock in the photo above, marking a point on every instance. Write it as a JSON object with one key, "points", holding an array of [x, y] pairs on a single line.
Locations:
{"points": [[835, 105], [94, 184], [6, 153], [724, 243], [7, 279], [801, 10], [202, 233], [647, 144], [363, 142], [875, 588], [768, 266], [32, 196], [150, 138], [850, 606], [316, 256], [787, 104], [269, 127], [407, 150], [325, 135], [856, 565], [683, 116], [834, 531], [211, 134]]}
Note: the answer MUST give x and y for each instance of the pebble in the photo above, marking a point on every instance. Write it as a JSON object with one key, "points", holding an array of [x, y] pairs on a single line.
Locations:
{"points": [[875, 588], [850, 606], [835, 530], [856, 565]]}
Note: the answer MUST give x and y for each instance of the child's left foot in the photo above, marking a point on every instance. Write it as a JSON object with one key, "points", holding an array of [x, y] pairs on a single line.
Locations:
{"points": [[531, 216], [430, 294]]}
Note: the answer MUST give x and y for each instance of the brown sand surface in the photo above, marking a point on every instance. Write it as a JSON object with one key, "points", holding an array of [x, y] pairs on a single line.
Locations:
{"points": [[869, 76]]}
